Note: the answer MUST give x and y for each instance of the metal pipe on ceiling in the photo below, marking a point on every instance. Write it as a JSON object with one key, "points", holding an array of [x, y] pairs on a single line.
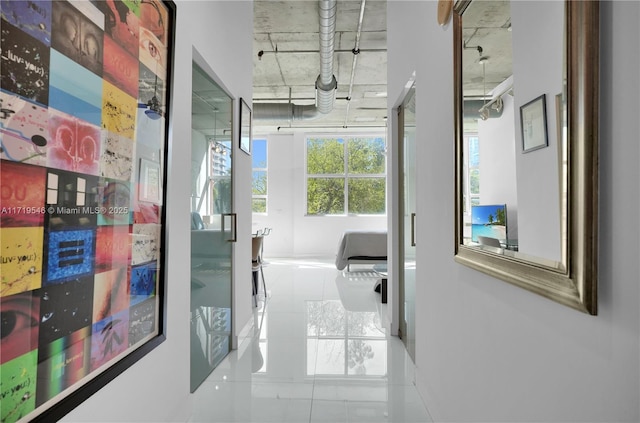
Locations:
{"points": [[356, 52], [471, 109], [284, 111], [362, 50], [279, 99], [326, 83], [330, 127]]}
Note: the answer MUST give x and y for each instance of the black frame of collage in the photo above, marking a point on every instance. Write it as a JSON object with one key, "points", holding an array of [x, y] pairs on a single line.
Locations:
{"points": [[84, 137]]}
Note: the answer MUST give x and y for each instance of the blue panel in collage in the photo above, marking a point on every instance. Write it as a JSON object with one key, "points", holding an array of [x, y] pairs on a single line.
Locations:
{"points": [[143, 282], [75, 90], [70, 254], [33, 17]]}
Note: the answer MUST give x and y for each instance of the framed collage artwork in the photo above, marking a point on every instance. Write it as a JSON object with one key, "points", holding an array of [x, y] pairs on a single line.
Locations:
{"points": [[84, 130]]}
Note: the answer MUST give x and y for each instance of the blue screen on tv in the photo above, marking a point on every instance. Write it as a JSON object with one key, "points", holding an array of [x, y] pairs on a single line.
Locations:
{"points": [[490, 221]]}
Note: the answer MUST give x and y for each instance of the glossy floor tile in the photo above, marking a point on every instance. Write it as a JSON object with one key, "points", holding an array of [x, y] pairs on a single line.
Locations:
{"points": [[320, 352]]}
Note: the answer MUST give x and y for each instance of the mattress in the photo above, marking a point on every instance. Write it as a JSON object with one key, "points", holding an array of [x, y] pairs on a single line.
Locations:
{"points": [[361, 246]]}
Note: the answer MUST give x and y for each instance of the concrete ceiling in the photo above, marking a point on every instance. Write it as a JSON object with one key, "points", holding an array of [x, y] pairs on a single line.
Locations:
{"points": [[287, 62], [486, 25]]}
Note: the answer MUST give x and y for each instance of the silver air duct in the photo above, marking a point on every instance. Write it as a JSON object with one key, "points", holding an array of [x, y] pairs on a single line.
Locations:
{"points": [[284, 111], [326, 82]]}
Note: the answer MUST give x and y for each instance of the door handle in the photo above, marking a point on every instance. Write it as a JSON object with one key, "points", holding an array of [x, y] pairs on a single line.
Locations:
{"points": [[413, 229], [234, 225]]}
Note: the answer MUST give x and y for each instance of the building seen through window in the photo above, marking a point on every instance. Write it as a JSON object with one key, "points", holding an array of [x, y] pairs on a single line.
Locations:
{"points": [[259, 168]]}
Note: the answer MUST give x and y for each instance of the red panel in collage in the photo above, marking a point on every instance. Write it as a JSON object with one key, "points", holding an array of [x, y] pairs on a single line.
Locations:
{"points": [[113, 247], [22, 195], [111, 293], [121, 24], [120, 67], [74, 144]]}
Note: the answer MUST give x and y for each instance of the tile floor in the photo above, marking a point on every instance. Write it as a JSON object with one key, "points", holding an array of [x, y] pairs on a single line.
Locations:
{"points": [[322, 353]]}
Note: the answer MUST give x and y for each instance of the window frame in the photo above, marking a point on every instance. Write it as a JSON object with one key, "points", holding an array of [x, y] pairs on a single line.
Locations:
{"points": [[217, 171], [344, 338], [471, 198], [260, 169], [345, 175]]}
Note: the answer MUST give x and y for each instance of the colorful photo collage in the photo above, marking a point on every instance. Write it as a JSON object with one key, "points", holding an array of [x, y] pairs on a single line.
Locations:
{"points": [[83, 93]]}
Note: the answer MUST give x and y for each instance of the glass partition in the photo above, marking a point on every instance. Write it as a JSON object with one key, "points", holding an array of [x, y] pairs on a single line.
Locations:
{"points": [[407, 151], [211, 234]]}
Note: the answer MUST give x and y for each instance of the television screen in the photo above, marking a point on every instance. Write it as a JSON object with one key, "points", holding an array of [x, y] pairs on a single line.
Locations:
{"points": [[489, 221]]}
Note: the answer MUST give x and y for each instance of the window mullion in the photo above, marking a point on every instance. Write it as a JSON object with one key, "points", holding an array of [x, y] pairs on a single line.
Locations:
{"points": [[345, 176], [364, 188]]}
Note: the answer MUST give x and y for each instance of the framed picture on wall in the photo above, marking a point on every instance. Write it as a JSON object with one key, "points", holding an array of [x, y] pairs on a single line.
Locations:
{"points": [[533, 124], [83, 266], [149, 181], [245, 127]]}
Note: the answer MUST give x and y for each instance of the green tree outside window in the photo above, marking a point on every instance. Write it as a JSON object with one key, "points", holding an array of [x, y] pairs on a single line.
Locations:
{"points": [[346, 175]]}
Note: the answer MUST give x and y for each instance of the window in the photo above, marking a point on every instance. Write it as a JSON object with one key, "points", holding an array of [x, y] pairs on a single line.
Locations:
{"points": [[344, 343], [219, 177], [346, 175], [472, 188], [259, 188]]}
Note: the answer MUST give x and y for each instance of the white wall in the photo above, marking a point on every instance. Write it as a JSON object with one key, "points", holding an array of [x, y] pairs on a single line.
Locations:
{"points": [[487, 350], [281, 192], [156, 389], [538, 69], [498, 164], [295, 234]]}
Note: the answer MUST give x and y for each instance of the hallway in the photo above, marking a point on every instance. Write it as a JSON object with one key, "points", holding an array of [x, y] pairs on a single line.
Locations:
{"points": [[294, 368]]}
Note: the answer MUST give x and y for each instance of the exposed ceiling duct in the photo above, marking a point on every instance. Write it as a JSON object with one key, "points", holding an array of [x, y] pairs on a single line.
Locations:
{"points": [[284, 111], [326, 83], [472, 110], [483, 109]]}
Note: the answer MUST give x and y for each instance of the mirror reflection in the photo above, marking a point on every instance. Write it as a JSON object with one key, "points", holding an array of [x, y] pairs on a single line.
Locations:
{"points": [[514, 182]]}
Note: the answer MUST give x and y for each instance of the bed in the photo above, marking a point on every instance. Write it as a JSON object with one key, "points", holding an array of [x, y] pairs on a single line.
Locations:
{"points": [[361, 247]]}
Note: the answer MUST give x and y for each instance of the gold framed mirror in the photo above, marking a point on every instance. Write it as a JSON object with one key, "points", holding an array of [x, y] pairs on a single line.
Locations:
{"points": [[526, 156]]}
